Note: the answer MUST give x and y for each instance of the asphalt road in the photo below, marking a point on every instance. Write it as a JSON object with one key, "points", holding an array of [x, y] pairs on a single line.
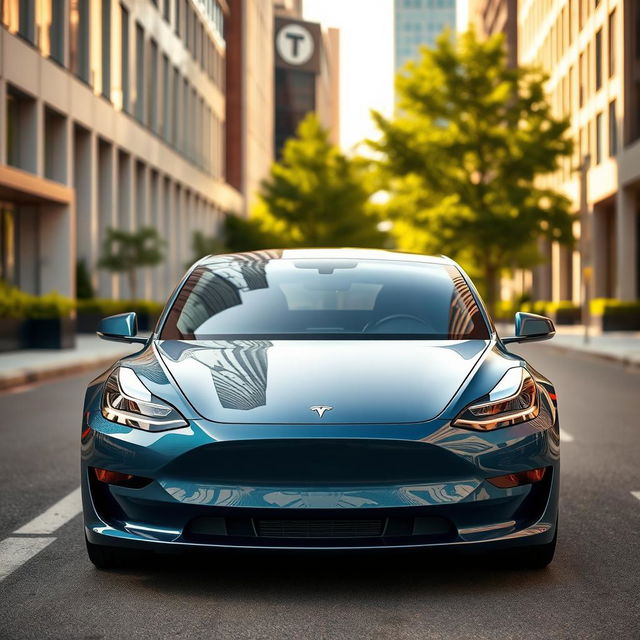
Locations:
{"points": [[591, 590]]}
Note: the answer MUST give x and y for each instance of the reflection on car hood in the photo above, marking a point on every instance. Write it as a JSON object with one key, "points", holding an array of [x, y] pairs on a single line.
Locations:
{"points": [[363, 381]]}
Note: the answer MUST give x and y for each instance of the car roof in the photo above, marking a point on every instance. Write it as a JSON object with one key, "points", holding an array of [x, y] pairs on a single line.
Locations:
{"points": [[330, 254]]}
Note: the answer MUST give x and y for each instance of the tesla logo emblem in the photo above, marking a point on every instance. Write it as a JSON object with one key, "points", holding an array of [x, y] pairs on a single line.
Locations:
{"points": [[320, 410]]}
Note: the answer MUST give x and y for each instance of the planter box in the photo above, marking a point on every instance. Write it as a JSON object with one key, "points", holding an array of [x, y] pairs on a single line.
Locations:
{"points": [[618, 322], [87, 322], [51, 333], [12, 334], [567, 316]]}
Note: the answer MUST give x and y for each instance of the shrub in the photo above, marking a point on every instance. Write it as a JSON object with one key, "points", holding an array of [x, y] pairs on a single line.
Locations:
{"points": [[613, 307], [19, 304], [106, 307], [84, 288]]}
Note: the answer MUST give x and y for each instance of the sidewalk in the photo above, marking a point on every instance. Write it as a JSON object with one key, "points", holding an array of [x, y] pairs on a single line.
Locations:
{"points": [[617, 346], [19, 368]]}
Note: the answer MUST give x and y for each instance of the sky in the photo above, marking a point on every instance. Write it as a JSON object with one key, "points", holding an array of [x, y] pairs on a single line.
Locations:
{"points": [[366, 61]]}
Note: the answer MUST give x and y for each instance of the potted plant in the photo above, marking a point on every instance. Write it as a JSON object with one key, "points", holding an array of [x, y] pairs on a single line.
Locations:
{"points": [[616, 315], [564, 312], [148, 313], [12, 308], [92, 310], [51, 324]]}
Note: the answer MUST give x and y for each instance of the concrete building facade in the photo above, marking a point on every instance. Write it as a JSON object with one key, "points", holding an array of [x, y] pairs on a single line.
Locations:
{"points": [[112, 114], [591, 51], [497, 16], [250, 96]]}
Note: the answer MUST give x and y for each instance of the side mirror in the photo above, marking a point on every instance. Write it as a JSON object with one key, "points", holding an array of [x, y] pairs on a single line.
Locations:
{"points": [[120, 328], [531, 328]]}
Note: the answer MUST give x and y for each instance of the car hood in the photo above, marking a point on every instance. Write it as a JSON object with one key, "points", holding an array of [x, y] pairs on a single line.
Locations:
{"points": [[277, 382]]}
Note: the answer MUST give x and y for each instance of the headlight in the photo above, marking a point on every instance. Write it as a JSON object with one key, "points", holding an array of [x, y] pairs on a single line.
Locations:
{"points": [[513, 400], [127, 401]]}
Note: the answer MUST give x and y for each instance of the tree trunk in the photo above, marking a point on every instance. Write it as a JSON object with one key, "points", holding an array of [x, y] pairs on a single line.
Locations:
{"points": [[133, 285]]}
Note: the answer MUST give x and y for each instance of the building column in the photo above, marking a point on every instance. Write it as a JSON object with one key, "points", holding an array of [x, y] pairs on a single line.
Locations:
{"points": [[627, 244], [157, 221], [142, 219], [83, 172], [598, 252], [107, 210], [57, 249], [168, 202], [125, 212]]}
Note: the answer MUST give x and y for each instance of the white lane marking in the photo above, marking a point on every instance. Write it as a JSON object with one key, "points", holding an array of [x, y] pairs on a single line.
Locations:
{"points": [[14, 552], [565, 436], [636, 494], [56, 516]]}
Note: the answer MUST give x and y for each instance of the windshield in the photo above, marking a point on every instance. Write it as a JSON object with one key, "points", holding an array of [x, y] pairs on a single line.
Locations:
{"points": [[244, 296]]}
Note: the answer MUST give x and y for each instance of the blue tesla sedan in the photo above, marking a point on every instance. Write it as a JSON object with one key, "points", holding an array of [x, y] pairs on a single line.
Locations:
{"points": [[322, 399]]}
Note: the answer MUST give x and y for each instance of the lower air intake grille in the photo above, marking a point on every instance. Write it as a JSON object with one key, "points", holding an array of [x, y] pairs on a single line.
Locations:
{"points": [[319, 528]]}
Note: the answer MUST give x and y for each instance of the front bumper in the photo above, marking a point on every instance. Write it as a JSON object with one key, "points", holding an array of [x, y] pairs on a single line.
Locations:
{"points": [[326, 487]]}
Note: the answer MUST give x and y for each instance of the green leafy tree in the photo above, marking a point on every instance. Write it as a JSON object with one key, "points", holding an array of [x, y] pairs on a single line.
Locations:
{"points": [[203, 245], [127, 251], [316, 196], [84, 287], [463, 156]]}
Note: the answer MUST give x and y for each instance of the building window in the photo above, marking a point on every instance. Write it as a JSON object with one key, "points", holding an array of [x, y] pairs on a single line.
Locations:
{"points": [[21, 130], [79, 39], [599, 138], [106, 48], [152, 89], [175, 121], [612, 43], [51, 15], [189, 19], [166, 10], [166, 93], [613, 129], [295, 96], [599, 59], [55, 146], [176, 17], [139, 72], [185, 117], [581, 74], [27, 26], [124, 60]]}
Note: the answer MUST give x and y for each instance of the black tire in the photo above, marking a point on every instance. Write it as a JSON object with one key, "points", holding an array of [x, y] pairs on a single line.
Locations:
{"points": [[107, 558], [534, 557]]}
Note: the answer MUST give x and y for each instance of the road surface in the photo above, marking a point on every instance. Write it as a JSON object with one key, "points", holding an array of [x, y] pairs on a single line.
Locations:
{"points": [[591, 590]]}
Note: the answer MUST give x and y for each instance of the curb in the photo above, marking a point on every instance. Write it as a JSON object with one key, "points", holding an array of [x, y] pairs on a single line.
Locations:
{"points": [[23, 377]]}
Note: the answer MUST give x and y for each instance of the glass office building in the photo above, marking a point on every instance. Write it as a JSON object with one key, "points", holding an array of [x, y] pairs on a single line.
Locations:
{"points": [[420, 22]]}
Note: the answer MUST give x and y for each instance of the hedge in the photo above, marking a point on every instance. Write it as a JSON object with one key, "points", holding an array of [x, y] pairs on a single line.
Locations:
{"points": [[106, 307], [19, 304], [612, 307]]}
